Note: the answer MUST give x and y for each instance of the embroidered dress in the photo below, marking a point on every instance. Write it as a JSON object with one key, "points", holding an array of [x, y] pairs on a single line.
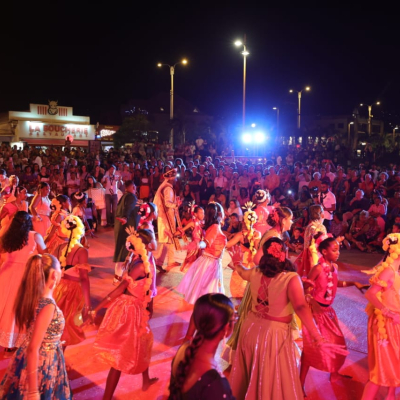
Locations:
{"points": [[193, 250], [53, 382], [323, 294], [205, 274], [11, 273], [120, 341]]}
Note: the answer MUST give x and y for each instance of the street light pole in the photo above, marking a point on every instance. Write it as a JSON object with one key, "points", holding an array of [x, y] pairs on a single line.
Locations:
{"points": [[394, 134], [171, 96], [370, 116], [245, 53], [277, 120], [307, 88]]}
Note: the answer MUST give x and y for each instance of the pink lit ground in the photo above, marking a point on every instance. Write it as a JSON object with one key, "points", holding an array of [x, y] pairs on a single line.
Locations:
{"points": [[170, 321]]}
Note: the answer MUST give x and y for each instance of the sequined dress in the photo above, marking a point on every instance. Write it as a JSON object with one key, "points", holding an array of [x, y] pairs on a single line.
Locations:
{"points": [[52, 374], [205, 274]]}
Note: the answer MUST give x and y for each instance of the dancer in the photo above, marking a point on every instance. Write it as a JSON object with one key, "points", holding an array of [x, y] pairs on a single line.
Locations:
{"points": [[167, 204], [124, 340], [73, 293], [384, 322], [265, 363], [8, 209], [37, 369], [247, 242], [61, 208], [16, 246], [80, 201], [126, 215], [205, 274], [40, 209], [194, 371], [262, 198], [321, 286], [305, 261], [193, 249]]}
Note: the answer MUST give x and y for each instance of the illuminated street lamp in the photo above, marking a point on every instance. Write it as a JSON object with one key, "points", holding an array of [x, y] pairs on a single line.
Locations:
{"points": [[348, 132], [277, 120], [245, 53], [394, 134], [307, 89], [370, 116], [171, 95]]}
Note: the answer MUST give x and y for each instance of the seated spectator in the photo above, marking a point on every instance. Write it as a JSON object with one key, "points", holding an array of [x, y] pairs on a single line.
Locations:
{"points": [[296, 242], [357, 204], [277, 196], [367, 186], [243, 197], [338, 227], [219, 197], [234, 208], [378, 211], [363, 231], [207, 192], [234, 226]]}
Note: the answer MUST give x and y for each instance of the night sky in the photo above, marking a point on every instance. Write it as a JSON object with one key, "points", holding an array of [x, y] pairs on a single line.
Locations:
{"points": [[96, 57]]}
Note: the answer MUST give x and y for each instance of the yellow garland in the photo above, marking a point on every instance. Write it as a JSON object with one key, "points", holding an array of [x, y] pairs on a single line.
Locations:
{"points": [[250, 218], [140, 248], [77, 234], [391, 243]]}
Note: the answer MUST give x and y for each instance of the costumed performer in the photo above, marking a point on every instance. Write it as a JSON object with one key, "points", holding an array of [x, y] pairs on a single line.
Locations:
{"points": [[384, 322], [80, 199], [61, 208], [193, 249], [126, 214], [40, 209], [265, 365], [280, 219], [263, 198], [320, 287], [73, 293], [167, 203], [37, 369], [8, 209], [124, 340], [247, 242]]}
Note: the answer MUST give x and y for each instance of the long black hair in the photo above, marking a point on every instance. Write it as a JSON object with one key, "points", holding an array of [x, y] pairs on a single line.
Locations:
{"points": [[211, 313], [213, 214], [17, 235], [272, 264]]}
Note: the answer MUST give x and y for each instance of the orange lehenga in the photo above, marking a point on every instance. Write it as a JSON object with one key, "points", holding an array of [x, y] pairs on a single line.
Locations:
{"points": [[328, 325], [384, 358], [124, 340], [69, 298]]}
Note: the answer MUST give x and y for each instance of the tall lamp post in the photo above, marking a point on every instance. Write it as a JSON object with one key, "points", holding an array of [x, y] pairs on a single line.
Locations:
{"points": [[277, 120], [245, 53], [370, 116], [307, 89], [394, 134], [171, 95]]}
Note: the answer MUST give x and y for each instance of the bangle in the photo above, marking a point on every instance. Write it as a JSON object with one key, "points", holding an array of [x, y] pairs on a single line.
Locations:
{"points": [[344, 284], [108, 298]]}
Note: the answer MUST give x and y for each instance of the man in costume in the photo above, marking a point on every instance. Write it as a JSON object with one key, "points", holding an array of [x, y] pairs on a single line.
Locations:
{"points": [[167, 203], [126, 215]]}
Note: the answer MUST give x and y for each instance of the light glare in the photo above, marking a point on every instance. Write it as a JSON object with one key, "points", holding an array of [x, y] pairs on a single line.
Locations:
{"points": [[159, 65], [246, 138], [238, 43], [259, 137], [308, 88], [253, 125], [184, 61]]}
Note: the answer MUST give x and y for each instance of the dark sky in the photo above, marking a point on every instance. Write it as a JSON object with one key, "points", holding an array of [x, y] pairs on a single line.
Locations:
{"points": [[95, 57]]}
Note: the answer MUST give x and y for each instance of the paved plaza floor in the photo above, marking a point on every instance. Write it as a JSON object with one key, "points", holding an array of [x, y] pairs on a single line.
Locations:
{"points": [[170, 321]]}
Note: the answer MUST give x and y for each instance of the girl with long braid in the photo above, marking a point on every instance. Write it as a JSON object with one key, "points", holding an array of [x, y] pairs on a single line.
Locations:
{"points": [[61, 208], [194, 372], [73, 293], [124, 340]]}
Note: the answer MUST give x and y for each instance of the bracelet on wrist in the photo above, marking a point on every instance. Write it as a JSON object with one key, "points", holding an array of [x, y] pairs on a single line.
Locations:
{"points": [[344, 284]]}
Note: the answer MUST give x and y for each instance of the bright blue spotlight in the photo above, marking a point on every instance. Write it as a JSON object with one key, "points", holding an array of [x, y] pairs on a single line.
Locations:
{"points": [[259, 137], [246, 138]]}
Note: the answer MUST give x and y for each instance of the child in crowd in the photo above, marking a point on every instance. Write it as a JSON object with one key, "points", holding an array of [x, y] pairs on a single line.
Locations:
{"points": [[296, 242]]}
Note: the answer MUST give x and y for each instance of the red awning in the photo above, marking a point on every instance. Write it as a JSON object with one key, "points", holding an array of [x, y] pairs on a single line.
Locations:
{"points": [[55, 142]]}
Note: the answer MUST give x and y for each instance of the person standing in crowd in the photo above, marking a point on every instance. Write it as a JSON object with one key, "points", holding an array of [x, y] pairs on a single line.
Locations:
{"points": [[37, 369], [124, 340], [327, 200], [195, 184], [265, 364], [17, 244], [167, 205], [194, 371], [110, 182], [126, 216], [40, 209]]}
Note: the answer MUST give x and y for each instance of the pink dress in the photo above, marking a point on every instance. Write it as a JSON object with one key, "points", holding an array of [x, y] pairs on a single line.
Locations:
{"points": [[11, 273], [205, 274], [328, 325], [193, 250], [43, 210], [120, 341], [6, 221]]}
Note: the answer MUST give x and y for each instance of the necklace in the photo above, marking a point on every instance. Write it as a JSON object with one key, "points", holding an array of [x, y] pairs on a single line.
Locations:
{"points": [[328, 271]]}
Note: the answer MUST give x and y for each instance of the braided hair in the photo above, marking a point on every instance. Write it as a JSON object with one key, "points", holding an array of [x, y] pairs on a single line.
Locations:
{"points": [[213, 215], [211, 313]]}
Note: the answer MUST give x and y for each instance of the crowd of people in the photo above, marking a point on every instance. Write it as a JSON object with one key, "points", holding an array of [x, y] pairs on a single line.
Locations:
{"points": [[54, 200]]}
